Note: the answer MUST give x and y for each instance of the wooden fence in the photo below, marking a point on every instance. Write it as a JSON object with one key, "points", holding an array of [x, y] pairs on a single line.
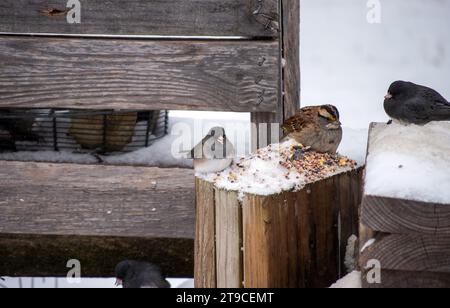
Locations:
{"points": [[229, 55]]}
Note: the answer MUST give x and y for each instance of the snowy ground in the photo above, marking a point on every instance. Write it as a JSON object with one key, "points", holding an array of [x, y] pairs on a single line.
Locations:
{"points": [[351, 281], [93, 283]]}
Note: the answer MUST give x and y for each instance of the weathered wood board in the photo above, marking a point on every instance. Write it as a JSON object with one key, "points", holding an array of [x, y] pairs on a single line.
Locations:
{"points": [[289, 240], [409, 280], [291, 56], [205, 240], [421, 253], [87, 205], [405, 216], [139, 74], [250, 18]]}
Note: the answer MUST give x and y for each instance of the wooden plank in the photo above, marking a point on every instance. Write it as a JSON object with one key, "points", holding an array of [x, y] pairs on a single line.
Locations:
{"points": [[252, 18], [228, 240], [410, 280], [240, 76], [410, 253], [50, 213], [205, 241], [47, 255], [291, 54], [96, 200], [267, 259], [289, 81], [390, 215]]}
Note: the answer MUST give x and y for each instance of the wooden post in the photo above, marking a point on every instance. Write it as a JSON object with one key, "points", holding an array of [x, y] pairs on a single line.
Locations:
{"points": [[292, 239], [409, 239], [289, 75]]}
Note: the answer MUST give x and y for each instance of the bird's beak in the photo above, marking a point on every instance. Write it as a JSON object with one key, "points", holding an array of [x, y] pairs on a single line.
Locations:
{"points": [[388, 96], [119, 282]]}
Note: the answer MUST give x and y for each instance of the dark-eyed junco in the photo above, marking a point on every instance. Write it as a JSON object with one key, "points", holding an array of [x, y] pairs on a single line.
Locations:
{"points": [[410, 103], [214, 153], [316, 127], [137, 275]]}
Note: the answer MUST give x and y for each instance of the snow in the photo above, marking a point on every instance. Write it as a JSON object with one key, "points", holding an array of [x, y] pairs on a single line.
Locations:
{"points": [[368, 244], [350, 63], [410, 162], [85, 283], [350, 261], [271, 170], [351, 281]]}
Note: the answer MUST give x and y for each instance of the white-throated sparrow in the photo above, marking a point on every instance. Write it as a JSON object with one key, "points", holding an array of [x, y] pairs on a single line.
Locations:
{"points": [[316, 127]]}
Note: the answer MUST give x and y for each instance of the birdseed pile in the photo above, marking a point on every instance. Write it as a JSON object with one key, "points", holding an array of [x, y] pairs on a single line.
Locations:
{"points": [[288, 166]]}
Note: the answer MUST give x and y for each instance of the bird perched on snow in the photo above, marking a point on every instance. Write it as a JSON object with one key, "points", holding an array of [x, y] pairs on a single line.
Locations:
{"points": [[139, 275], [316, 127], [410, 103], [214, 153]]}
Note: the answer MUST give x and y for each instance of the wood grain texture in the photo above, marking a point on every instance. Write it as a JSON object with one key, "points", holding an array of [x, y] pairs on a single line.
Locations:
{"points": [[228, 240], [139, 74], [205, 238], [390, 215], [251, 18], [293, 239], [410, 253], [95, 200], [291, 54], [409, 280], [24, 255]]}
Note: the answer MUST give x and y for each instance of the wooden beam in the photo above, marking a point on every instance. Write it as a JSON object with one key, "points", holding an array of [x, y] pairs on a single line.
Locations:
{"points": [[76, 207], [288, 81], [410, 253], [239, 76], [252, 18], [391, 215], [291, 56], [409, 280], [47, 255]]}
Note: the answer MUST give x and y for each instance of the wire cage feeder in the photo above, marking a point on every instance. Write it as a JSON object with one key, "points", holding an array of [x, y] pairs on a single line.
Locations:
{"points": [[80, 131]]}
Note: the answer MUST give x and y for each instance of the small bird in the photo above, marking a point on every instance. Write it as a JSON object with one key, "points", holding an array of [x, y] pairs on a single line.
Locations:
{"points": [[214, 153], [316, 127], [409, 103], [140, 275]]}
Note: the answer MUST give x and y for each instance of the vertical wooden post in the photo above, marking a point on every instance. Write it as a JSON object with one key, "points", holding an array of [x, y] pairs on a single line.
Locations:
{"points": [[228, 240], [205, 244], [289, 73]]}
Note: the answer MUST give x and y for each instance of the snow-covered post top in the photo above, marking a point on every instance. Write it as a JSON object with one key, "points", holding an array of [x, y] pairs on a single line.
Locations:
{"points": [[409, 162]]}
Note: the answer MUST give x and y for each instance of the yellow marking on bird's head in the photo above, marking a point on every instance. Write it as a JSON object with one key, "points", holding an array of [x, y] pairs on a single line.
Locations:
{"points": [[327, 115]]}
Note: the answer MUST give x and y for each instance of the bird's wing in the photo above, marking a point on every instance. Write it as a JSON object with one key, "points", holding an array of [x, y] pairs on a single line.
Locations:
{"points": [[428, 105], [301, 121]]}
